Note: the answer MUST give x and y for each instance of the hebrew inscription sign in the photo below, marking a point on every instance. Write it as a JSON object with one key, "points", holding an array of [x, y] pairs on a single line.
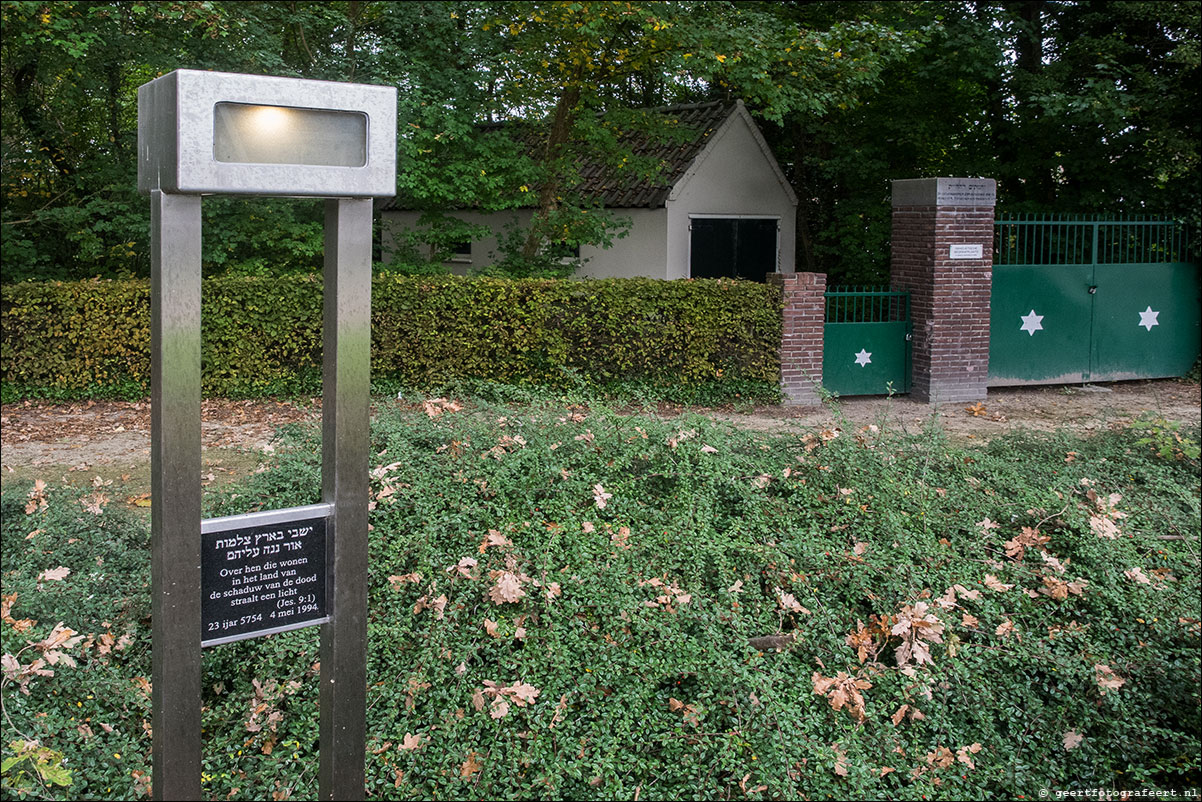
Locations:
{"points": [[262, 573]]}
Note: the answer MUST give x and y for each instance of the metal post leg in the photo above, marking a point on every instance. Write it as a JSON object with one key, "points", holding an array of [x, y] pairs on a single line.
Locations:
{"points": [[344, 452], [175, 494]]}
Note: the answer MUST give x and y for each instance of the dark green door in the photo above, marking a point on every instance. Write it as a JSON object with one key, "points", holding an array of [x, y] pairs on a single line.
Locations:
{"points": [[1146, 321], [1039, 324], [866, 342], [1091, 300]]}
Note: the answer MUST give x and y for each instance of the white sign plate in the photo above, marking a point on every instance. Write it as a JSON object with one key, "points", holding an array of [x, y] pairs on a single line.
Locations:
{"points": [[962, 251]]}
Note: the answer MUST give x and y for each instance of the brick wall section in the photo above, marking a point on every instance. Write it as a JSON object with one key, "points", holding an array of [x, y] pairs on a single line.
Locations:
{"points": [[949, 298], [804, 316]]}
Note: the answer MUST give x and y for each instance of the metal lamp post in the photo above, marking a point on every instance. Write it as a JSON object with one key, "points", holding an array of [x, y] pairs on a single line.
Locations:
{"points": [[202, 133]]}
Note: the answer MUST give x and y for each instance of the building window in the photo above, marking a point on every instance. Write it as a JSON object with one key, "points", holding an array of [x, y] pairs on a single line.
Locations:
{"points": [[562, 250], [461, 251], [733, 247]]}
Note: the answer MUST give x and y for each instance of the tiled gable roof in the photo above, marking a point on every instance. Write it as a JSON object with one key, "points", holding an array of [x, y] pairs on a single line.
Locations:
{"points": [[674, 154], [695, 123]]}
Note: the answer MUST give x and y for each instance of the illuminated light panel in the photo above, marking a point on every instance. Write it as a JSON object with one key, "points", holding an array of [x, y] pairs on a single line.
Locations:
{"points": [[259, 134]]}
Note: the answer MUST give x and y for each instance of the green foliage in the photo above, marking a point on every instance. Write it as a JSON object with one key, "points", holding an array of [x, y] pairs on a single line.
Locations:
{"points": [[1165, 438], [30, 761], [75, 639], [707, 339], [76, 339], [1072, 106], [577, 603]]}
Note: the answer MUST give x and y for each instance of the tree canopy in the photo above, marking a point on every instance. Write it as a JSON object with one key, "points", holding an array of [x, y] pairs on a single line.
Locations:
{"points": [[1072, 106]]}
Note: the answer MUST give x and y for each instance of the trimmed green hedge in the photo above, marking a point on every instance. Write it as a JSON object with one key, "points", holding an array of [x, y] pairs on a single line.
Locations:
{"points": [[263, 336]]}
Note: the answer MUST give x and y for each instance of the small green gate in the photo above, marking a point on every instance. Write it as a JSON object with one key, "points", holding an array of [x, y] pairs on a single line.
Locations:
{"points": [[1078, 300], [866, 348]]}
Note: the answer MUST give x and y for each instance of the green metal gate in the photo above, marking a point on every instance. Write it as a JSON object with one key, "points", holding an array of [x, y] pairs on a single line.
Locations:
{"points": [[1078, 300], [866, 348]]}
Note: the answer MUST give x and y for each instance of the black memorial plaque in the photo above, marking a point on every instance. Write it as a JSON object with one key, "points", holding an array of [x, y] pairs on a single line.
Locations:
{"points": [[261, 578]]}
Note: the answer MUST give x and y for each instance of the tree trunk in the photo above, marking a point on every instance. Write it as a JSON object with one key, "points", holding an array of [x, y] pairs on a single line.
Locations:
{"points": [[24, 78], [804, 251], [561, 129]]}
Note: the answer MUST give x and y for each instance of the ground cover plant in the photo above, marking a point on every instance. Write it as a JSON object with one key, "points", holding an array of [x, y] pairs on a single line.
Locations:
{"points": [[582, 603]]}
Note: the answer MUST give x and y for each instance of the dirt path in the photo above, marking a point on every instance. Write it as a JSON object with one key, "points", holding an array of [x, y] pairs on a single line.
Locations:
{"points": [[1080, 408], [76, 443]]}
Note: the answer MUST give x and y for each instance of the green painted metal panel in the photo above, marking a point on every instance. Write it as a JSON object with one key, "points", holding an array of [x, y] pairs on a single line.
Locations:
{"points": [[1092, 299], [1039, 324], [866, 358], [1147, 321]]}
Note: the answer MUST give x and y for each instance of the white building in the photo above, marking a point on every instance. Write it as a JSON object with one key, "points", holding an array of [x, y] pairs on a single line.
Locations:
{"points": [[720, 208]]}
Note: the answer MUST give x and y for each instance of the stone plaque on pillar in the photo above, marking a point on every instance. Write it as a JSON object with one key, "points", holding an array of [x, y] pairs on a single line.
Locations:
{"points": [[970, 192]]}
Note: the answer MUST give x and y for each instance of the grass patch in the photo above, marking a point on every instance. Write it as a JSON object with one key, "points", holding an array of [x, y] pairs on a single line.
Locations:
{"points": [[575, 602]]}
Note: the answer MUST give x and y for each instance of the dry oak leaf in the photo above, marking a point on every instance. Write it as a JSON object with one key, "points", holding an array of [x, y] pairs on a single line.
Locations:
{"points": [[1016, 547], [917, 628], [95, 502], [559, 711], [500, 708], [842, 690], [37, 498], [397, 581], [54, 574], [1054, 562], [1005, 628], [621, 538], [522, 693], [1072, 740], [753, 790], [600, 497], [1059, 589], [689, 712], [789, 603], [968, 620], [494, 538], [948, 599], [993, 583], [470, 766], [962, 754], [840, 760], [942, 757], [987, 524], [1104, 527], [862, 640], [410, 742], [1106, 678], [1137, 574], [463, 568], [507, 588]]}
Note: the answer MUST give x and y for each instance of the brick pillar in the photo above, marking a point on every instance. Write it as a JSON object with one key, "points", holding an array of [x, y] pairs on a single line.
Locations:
{"points": [[804, 315], [942, 252]]}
